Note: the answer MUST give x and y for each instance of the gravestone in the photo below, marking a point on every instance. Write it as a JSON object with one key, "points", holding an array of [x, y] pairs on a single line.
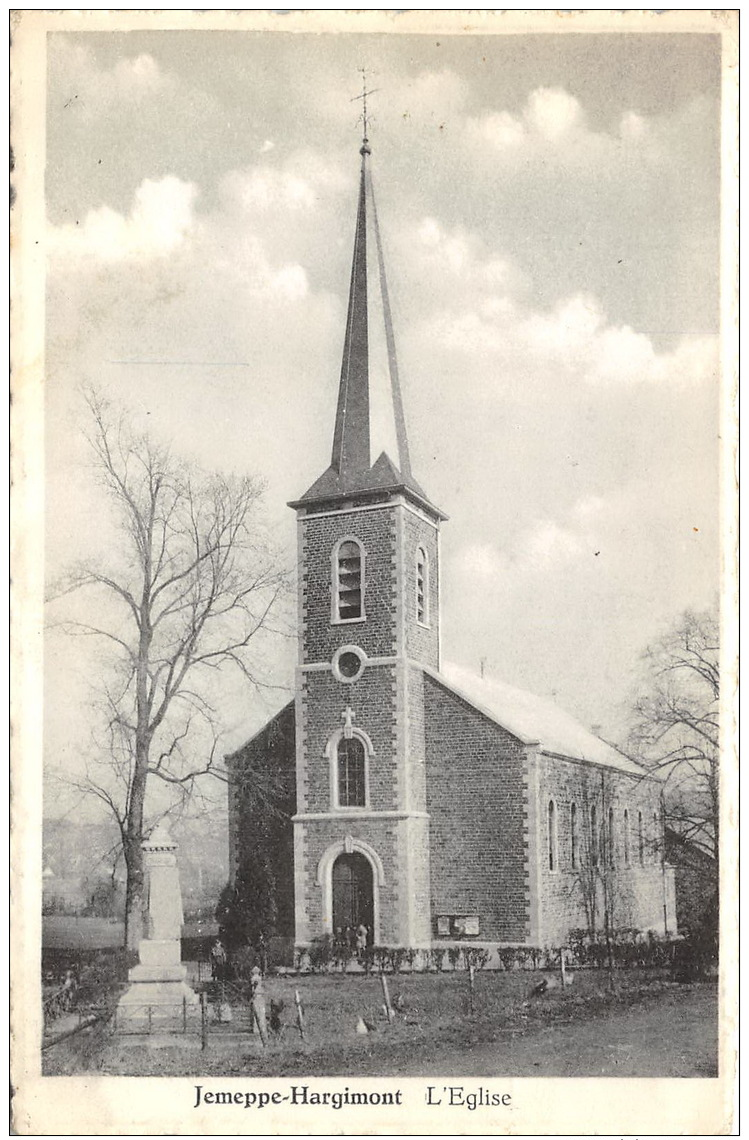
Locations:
{"points": [[158, 990]]}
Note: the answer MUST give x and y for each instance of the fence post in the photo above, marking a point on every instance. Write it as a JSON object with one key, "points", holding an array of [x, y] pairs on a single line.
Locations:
{"points": [[203, 1022], [150, 1015], [184, 1015], [471, 981], [260, 1027], [299, 1013], [563, 966], [386, 995]]}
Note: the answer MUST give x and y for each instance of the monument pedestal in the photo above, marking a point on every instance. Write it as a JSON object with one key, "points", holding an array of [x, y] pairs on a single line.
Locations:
{"points": [[156, 983], [158, 990]]}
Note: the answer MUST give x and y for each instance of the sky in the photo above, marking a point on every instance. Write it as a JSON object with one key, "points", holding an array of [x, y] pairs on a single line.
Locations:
{"points": [[550, 214]]}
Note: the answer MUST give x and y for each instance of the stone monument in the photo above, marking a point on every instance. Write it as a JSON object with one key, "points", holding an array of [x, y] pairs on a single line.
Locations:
{"points": [[157, 984]]}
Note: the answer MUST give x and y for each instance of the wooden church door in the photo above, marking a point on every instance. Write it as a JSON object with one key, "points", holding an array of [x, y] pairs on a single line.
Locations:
{"points": [[353, 893]]}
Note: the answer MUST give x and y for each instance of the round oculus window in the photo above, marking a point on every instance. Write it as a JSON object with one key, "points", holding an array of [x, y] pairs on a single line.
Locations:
{"points": [[348, 663]]}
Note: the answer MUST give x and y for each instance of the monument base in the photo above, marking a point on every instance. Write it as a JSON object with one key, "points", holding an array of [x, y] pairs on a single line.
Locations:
{"points": [[158, 990]]}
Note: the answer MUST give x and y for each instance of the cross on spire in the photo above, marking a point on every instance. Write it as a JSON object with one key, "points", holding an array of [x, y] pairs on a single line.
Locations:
{"points": [[364, 116], [351, 469]]}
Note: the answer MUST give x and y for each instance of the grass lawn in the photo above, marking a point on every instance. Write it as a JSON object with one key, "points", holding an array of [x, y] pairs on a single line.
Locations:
{"points": [[435, 1024]]}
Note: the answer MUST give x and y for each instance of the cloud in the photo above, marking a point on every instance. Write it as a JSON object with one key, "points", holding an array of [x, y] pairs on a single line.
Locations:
{"points": [[553, 114], [553, 125], [86, 88], [160, 220], [296, 186], [482, 310]]}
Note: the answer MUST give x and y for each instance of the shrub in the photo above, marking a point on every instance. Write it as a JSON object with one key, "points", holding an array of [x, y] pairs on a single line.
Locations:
{"points": [[301, 959], [437, 958], [453, 956], [368, 958], [409, 956], [321, 953], [396, 958], [475, 956], [509, 957], [380, 958], [242, 962]]}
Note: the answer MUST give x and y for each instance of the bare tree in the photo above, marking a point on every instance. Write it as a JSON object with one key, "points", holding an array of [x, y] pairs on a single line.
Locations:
{"points": [[188, 590], [675, 727], [596, 869]]}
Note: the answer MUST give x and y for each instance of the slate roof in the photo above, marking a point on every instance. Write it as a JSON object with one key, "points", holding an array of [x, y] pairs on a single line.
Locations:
{"points": [[533, 719]]}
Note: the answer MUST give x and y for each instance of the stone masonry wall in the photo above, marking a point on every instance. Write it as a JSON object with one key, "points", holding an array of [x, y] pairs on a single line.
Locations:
{"points": [[636, 882], [478, 816], [261, 840], [375, 634], [422, 641], [383, 836], [372, 698]]}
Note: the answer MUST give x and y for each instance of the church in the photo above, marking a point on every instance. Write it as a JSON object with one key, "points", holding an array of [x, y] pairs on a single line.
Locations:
{"points": [[417, 799]]}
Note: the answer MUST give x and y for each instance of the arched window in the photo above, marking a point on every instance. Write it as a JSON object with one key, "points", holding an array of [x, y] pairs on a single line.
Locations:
{"points": [[640, 839], [351, 772], [348, 581], [611, 837], [573, 837], [626, 837], [594, 838], [552, 836], [422, 586]]}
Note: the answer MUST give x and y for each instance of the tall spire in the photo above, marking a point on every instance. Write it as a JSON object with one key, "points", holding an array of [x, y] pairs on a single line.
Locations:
{"points": [[351, 468], [351, 436]]}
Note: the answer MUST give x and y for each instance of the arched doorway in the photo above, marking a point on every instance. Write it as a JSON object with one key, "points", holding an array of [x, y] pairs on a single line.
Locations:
{"points": [[353, 893]]}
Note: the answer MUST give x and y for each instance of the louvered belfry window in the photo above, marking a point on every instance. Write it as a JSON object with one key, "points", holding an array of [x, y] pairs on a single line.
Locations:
{"points": [[422, 586], [351, 773], [349, 580]]}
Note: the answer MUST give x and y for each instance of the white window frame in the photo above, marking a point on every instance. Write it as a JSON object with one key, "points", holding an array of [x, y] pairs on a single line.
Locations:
{"points": [[611, 838], [552, 827], [335, 616], [335, 664], [627, 840], [421, 552], [331, 751]]}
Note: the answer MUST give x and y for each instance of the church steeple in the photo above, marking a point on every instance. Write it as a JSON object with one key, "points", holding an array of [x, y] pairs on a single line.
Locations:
{"points": [[350, 457], [351, 469]]}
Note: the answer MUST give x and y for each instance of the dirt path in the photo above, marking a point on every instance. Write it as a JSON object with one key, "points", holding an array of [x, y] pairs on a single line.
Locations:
{"points": [[675, 1035]]}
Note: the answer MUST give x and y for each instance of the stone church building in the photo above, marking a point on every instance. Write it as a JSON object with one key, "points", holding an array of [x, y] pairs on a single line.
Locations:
{"points": [[421, 800]]}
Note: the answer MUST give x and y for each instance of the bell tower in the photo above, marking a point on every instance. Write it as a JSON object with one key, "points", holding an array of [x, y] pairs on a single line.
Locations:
{"points": [[369, 612]]}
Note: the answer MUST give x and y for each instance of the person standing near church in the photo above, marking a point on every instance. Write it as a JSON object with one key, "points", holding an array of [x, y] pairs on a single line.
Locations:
{"points": [[262, 953], [257, 997]]}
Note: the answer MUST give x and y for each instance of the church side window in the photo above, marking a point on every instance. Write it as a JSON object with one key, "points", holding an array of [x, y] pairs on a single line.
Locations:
{"points": [[573, 837], [552, 836], [611, 838], [351, 760], [422, 586], [348, 583], [594, 839], [626, 838]]}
